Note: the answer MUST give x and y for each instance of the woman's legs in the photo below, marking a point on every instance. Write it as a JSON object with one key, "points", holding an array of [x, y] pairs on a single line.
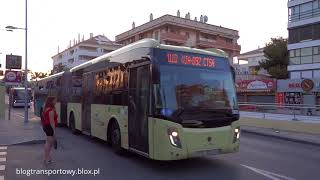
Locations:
{"points": [[47, 148]]}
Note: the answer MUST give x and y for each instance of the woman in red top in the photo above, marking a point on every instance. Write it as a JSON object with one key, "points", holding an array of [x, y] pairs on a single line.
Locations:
{"points": [[49, 123]]}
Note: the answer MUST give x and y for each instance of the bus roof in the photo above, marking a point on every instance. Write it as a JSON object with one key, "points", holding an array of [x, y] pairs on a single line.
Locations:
{"points": [[148, 43], [52, 76]]}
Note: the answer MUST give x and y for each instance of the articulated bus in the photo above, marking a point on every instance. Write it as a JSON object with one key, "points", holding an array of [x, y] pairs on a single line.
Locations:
{"points": [[160, 101]]}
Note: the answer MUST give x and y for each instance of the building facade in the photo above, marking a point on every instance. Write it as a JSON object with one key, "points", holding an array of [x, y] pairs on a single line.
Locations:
{"points": [[251, 67], [175, 30], [304, 38], [83, 50]]}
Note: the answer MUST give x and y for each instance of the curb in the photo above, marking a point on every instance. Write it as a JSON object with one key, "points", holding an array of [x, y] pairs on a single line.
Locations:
{"points": [[32, 142], [282, 137]]}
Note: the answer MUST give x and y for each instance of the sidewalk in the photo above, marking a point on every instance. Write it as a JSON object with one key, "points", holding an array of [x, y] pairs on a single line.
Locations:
{"points": [[313, 139], [15, 131]]}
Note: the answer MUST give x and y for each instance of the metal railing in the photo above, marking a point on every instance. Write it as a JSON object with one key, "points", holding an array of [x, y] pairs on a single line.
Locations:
{"points": [[305, 112]]}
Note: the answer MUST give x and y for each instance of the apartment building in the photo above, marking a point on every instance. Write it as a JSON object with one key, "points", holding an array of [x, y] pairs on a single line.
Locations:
{"points": [[304, 38], [251, 67], [175, 30], [83, 50]]}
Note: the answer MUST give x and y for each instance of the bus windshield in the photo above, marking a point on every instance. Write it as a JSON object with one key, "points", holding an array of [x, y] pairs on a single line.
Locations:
{"points": [[187, 89]]}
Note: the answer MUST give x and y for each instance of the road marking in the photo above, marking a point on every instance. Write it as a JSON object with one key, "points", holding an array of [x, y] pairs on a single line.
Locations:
{"points": [[3, 153], [268, 174], [3, 159], [1, 177], [3, 147], [2, 167]]}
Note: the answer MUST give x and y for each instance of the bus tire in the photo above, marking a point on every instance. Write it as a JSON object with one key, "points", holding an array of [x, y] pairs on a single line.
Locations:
{"points": [[115, 138], [72, 124]]}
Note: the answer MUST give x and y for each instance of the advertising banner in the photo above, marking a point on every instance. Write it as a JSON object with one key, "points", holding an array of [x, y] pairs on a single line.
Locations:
{"points": [[13, 62], [13, 77]]}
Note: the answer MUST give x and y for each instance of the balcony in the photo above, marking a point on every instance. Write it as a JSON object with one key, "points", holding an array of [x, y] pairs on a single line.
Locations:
{"points": [[178, 38], [304, 15], [218, 44]]}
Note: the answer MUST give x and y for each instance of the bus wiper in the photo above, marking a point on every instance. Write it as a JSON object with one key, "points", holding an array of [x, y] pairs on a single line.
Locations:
{"points": [[227, 112], [192, 122], [177, 113]]}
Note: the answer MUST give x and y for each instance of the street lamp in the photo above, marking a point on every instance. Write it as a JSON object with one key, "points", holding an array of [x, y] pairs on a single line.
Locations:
{"points": [[10, 28], [6, 29]]}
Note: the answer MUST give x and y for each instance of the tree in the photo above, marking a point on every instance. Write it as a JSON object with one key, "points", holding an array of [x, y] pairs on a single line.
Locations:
{"points": [[277, 56], [38, 75], [59, 68]]}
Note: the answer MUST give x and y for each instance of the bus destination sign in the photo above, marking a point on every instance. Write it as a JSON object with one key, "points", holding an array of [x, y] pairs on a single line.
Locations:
{"points": [[191, 60]]}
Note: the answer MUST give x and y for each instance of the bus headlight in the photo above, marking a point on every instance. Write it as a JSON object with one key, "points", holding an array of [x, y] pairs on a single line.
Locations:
{"points": [[236, 134], [174, 137]]}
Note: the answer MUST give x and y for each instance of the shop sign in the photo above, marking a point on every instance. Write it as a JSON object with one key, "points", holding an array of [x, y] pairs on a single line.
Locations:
{"points": [[255, 85], [13, 76], [298, 85], [280, 98], [307, 85]]}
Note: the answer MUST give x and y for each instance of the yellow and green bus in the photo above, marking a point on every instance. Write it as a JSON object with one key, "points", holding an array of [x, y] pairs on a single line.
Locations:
{"points": [[160, 101]]}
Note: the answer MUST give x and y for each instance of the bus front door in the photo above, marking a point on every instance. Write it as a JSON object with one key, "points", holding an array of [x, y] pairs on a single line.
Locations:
{"points": [[139, 80]]}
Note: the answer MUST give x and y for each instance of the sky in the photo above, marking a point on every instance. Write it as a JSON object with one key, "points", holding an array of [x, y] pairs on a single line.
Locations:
{"points": [[53, 23]]}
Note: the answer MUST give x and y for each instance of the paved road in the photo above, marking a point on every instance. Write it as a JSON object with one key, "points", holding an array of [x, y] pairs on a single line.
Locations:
{"points": [[259, 158]]}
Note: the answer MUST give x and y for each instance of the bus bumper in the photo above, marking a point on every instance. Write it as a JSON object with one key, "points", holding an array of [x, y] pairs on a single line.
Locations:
{"points": [[194, 142]]}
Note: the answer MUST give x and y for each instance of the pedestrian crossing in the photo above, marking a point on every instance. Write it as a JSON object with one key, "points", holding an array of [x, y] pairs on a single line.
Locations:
{"points": [[3, 159]]}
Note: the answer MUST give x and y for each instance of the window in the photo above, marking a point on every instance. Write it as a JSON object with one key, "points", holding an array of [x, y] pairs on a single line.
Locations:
{"points": [[187, 34], [291, 53], [316, 30], [316, 50], [297, 51], [295, 75], [316, 4], [228, 40], [316, 58], [316, 73], [306, 33], [306, 74], [294, 60], [294, 36], [156, 35], [306, 51], [305, 7]]}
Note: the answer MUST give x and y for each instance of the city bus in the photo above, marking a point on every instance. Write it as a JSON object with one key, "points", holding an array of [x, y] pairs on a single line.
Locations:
{"points": [[53, 85], [160, 101]]}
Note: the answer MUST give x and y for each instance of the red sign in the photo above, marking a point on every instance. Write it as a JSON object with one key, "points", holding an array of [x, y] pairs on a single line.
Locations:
{"points": [[280, 98], [13, 77], [255, 85]]}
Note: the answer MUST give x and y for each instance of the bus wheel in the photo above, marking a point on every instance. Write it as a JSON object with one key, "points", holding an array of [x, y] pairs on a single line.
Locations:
{"points": [[115, 138], [72, 124]]}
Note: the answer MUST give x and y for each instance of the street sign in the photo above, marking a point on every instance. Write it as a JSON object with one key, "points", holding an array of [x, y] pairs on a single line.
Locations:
{"points": [[13, 62], [12, 77]]}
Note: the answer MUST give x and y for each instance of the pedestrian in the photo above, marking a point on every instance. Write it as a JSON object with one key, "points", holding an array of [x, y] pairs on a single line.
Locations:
{"points": [[49, 124]]}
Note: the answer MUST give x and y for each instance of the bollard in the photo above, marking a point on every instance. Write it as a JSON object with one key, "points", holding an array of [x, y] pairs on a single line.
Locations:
{"points": [[294, 115], [2, 101]]}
